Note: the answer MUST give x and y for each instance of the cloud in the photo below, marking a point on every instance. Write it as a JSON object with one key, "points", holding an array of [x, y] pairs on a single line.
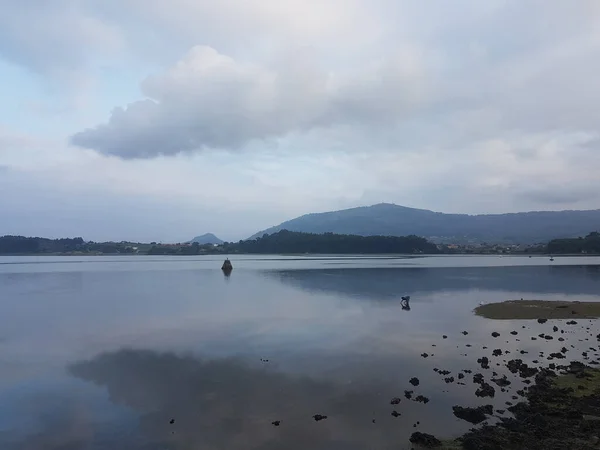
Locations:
{"points": [[57, 39], [208, 100], [449, 85]]}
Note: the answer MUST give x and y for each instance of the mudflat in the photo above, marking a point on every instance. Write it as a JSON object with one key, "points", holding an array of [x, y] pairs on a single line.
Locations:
{"points": [[539, 309]]}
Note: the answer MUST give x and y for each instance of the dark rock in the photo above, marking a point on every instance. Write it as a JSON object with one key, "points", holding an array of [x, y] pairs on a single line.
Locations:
{"points": [[396, 413], [461, 376], [394, 401], [449, 380], [495, 334], [542, 320], [555, 328], [421, 399], [465, 332], [444, 337], [501, 381], [172, 421], [276, 423], [485, 362], [425, 440], [571, 322], [424, 355], [497, 352], [514, 333], [548, 337], [414, 381], [478, 378], [319, 417], [486, 390], [473, 415], [408, 394]]}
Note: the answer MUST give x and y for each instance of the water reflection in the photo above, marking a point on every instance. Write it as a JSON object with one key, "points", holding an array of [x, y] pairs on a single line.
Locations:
{"points": [[231, 404], [391, 284]]}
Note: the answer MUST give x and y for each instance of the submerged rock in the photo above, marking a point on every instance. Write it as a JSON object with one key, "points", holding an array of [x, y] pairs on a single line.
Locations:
{"points": [[473, 415], [425, 440], [486, 390]]}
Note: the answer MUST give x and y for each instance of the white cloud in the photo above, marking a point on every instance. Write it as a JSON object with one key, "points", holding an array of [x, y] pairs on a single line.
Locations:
{"points": [[208, 100]]}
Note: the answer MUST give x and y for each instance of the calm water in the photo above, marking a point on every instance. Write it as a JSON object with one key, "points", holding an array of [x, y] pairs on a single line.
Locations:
{"points": [[102, 352]]}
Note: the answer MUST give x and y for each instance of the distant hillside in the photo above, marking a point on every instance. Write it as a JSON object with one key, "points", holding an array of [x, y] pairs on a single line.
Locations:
{"points": [[207, 238], [392, 220]]}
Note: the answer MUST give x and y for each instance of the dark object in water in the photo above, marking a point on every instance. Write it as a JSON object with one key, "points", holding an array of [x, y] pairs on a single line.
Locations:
{"points": [[227, 267], [396, 413], [405, 302], [394, 401], [473, 415], [172, 421], [414, 381], [276, 423], [318, 417], [425, 440]]}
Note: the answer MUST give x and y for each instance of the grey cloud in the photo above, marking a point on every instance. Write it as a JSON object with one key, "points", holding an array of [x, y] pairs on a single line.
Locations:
{"points": [[553, 196], [209, 100]]}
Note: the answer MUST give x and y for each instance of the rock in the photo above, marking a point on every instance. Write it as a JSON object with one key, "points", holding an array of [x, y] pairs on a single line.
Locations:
{"points": [[501, 381], [276, 423], [495, 334], [548, 337], [465, 332], [396, 413], [425, 440], [172, 421], [414, 381], [408, 394], [514, 333], [394, 401], [319, 417], [424, 355], [421, 399], [449, 380], [497, 352], [571, 322], [486, 390], [478, 378], [444, 337], [485, 362], [473, 415], [542, 320], [555, 328], [461, 376]]}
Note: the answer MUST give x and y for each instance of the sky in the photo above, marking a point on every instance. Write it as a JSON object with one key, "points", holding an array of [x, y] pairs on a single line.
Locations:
{"points": [[149, 120]]}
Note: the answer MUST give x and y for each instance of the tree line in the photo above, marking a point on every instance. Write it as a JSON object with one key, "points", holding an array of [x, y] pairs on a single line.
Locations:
{"points": [[281, 242], [589, 244]]}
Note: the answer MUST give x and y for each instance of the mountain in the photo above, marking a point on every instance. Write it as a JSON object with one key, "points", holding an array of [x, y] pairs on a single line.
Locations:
{"points": [[393, 220], [207, 238]]}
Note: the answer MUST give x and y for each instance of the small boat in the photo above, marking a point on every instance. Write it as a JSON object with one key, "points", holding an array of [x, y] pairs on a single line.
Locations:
{"points": [[227, 266], [551, 258]]}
